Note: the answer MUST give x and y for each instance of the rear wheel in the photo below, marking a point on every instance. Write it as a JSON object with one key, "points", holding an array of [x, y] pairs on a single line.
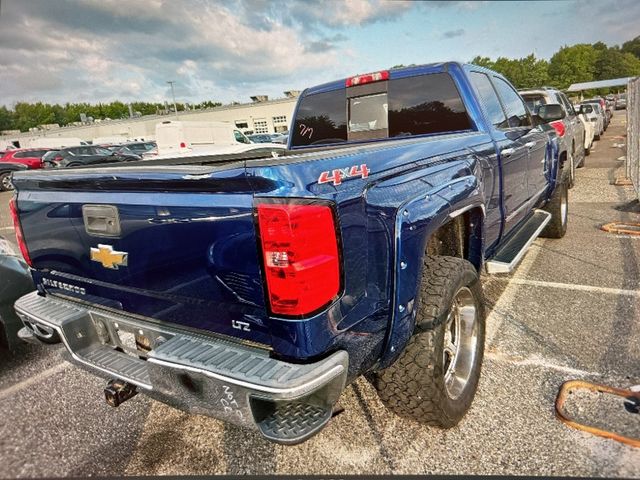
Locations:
{"points": [[5, 182], [435, 378]]}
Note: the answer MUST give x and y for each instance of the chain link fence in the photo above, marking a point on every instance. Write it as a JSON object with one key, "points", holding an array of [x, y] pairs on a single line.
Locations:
{"points": [[633, 133]]}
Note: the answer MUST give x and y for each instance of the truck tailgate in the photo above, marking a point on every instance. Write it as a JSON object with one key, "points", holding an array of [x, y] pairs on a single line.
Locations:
{"points": [[176, 244]]}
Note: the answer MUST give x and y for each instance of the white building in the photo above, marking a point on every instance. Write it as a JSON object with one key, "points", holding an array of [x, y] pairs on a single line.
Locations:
{"points": [[260, 116]]}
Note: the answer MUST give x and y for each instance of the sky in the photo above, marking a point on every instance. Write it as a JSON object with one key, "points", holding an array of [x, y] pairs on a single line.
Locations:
{"points": [[60, 51]]}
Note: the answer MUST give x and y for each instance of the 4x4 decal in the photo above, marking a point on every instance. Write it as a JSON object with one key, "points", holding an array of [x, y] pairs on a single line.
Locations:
{"points": [[339, 174]]}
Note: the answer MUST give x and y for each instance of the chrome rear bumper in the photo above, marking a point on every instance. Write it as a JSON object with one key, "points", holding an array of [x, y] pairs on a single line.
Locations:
{"points": [[286, 402]]}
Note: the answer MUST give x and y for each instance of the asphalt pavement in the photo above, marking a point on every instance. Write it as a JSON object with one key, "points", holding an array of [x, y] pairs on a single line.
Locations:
{"points": [[571, 310]]}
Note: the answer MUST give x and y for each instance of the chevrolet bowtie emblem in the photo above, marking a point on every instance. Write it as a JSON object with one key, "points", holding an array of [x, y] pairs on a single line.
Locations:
{"points": [[108, 257]]}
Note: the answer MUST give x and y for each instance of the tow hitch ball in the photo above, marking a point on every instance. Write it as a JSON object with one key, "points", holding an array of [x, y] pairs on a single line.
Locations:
{"points": [[119, 391]]}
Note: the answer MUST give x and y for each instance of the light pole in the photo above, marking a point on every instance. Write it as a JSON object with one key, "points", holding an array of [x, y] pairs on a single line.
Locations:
{"points": [[173, 94]]}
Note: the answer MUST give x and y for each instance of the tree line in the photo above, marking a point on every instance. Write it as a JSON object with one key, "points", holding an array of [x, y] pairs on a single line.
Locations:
{"points": [[25, 115], [583, 62]]}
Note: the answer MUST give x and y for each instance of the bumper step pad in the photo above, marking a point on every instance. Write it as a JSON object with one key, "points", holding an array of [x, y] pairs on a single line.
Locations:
{"points": [[294, 422]]}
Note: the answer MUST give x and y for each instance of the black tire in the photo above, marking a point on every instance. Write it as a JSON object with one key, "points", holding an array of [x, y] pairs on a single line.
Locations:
{"points": [[557, 227], [5, 182], [570, 162], [414, 385], [587, 152], [74, 164]]}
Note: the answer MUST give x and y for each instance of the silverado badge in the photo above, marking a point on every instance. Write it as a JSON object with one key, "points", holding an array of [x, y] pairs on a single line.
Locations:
{"points": [[108, 257]]}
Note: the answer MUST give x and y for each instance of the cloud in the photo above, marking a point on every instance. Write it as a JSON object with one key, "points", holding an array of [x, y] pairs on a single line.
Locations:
{"points": [[454, 33], [102, 50]]}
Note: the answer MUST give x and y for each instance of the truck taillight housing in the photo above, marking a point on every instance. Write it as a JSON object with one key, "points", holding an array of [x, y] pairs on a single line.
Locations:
{"points": [[13, 207], [300, 255], [558, 126]]}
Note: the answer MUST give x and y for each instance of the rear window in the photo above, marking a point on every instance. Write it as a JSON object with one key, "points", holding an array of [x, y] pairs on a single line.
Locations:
{"points": [[415, 105], [534, 101]]}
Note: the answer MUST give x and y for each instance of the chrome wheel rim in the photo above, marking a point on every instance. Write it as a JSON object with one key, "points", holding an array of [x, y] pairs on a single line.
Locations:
{"points": [[6, 182], [460, 343]]}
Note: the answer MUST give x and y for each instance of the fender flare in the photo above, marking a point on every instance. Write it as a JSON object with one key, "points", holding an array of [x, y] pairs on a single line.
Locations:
{"points": [[416, 220]]}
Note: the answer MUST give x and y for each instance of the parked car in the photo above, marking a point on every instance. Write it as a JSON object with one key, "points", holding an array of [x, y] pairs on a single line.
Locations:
{"points": [[48, 158], [31, 157], [15, 281], [6, 170], [569, 127], [90, 155], [621, 101], [152, 153], [589, 128], [122, 150], [601, 117], [279, 138], [260, 138], [140, 148], [605, 111], [256, 289]]}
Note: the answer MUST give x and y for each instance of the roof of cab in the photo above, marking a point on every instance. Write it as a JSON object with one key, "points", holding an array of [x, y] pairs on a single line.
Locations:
{"points": [[394, 73]]}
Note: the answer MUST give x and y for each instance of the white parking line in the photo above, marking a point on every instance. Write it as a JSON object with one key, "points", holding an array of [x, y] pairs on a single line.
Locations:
{"points": [[574, 286], [13, 389], [496, 317], [5, 229], [538, 361]]}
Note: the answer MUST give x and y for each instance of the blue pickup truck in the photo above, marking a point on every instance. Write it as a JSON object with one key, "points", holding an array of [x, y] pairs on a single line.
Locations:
{"points": [[255, 290]]}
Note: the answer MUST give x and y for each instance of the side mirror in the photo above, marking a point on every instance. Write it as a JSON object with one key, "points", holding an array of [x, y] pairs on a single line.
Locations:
{"points": [[551, 112]]}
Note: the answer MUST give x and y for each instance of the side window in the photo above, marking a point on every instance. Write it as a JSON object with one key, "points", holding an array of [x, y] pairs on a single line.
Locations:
{"points": [[517, 113], [567, 104], [489, 99], [321, 119], [425, 104], [19, 155]]}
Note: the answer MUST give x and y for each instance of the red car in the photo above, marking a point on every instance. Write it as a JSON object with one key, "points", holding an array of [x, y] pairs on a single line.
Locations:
{"points": [[31, 157]]}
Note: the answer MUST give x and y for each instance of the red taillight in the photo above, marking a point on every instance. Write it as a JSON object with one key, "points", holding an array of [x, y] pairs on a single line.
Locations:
{"points": [[300, 256], [183, 145], [559, 127], [13, 207], [367, 78]]}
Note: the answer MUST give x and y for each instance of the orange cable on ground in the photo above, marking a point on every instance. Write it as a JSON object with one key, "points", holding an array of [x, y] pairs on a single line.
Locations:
{"points": [[572, 385]]}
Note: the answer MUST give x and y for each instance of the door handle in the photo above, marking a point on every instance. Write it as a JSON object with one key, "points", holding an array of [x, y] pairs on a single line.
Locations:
{"points": [[507, 152], [530, 144]]}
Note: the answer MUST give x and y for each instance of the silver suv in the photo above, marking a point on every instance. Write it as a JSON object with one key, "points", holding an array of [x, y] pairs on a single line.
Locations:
{"points": [[569, 128]]}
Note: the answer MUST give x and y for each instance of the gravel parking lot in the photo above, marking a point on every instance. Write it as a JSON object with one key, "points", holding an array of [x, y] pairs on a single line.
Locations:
{"points": [[570, 311]]}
